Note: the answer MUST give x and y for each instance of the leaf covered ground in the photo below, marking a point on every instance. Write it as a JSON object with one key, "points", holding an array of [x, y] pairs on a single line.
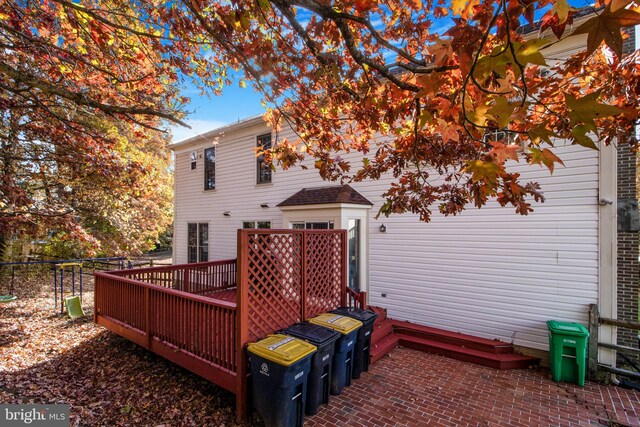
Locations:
{"points": [[47, 358]]}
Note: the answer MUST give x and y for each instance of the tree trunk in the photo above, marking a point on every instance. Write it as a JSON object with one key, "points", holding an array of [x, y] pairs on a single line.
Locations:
{"points": [[3, 245], [10, 123]]}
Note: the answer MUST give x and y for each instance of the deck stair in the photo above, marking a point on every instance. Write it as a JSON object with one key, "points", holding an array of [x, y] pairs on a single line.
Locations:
{"points": [[383, 340], [389, 333]]}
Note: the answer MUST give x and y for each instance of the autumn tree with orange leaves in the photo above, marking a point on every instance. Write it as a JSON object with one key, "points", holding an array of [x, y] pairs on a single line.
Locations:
{"points": [[373, 76], [80, 159]]}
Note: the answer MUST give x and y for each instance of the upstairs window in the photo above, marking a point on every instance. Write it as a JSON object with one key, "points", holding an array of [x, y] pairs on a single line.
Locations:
{"points": [[504, 136], [263, 170], [210, 168], [194, 160], [198, 242]]}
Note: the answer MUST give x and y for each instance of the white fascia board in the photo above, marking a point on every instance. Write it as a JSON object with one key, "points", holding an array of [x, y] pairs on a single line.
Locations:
{"points": [[251, 121], [324, 206]]}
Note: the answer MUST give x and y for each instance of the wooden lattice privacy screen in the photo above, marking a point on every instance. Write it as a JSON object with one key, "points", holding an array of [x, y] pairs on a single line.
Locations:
{"points": [[290, 276], [283, 277]]}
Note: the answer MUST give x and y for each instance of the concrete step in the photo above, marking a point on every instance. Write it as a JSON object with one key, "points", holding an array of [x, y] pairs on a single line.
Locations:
{"points": [[453, 338], [466, 354], [383, 347]]}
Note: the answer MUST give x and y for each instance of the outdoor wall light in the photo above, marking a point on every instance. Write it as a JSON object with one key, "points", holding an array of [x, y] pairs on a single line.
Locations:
{"points": [[383, 228], [226, 213], [264, 205]]}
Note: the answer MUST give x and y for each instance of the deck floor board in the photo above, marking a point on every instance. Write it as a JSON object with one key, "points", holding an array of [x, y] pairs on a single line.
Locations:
{"points": [[227, 295]]}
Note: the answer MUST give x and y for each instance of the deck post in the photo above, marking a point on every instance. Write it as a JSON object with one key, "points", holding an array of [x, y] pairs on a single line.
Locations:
{"points": [[147, 313], [592, 358], [96, 296], [303, 266], [242, 326], [362, 297]]}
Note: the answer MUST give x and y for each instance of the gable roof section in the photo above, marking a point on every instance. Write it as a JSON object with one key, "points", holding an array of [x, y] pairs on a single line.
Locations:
{"points": [[219, 131], [326, 195]]}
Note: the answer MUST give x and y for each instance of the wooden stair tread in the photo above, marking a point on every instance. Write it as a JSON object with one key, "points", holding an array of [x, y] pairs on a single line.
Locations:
{"points": [[380, 331], [497, 361], [383, 347], [389, 333], [453, 338]]}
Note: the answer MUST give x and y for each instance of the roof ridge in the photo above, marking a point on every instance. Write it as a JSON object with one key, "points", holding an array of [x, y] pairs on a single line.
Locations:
{"points": [[326, 195]]}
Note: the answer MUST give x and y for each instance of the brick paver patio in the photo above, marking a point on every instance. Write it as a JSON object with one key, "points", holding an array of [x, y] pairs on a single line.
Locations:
{"points": [[410, 388]]}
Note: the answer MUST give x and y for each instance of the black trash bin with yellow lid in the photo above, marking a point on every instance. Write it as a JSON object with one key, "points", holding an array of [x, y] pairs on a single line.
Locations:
{"points": [[319, 382], [280, 365], [362, 350], [343, 357]]}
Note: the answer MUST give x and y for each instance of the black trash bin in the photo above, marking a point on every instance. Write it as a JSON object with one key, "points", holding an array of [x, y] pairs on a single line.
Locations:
{"points": [[279, 368], [319, 380], [362, 348], [343, 357]]}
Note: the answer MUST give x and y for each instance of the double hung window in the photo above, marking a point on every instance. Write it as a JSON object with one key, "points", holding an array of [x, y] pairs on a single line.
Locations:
{"points": [[198, 242]]}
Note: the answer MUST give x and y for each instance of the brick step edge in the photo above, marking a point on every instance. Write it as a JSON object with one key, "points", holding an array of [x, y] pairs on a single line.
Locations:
{"points": [[449, 337], [380, 331], [383, 347], [492, 360]]}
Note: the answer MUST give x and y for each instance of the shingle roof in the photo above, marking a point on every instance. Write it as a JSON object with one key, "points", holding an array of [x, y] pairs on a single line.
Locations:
{"points": [[579, 13], [325, 195]]}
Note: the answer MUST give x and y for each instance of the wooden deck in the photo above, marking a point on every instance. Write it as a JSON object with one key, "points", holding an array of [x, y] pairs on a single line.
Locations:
{"points": [[201, 316], [227, 295]]}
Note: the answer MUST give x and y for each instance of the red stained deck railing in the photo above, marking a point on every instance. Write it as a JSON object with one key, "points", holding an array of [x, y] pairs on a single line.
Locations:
{"points": [[356, 299], [282, 277], [199, 278], [194, 331]]}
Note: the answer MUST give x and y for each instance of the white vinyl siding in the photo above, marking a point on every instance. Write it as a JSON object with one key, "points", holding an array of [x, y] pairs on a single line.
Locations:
{"points": [[487, 272], [236, 191], [490, 272]]}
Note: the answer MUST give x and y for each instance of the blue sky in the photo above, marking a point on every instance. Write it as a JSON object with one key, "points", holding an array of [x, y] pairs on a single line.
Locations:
{"points": [[209, 112], [236, 103]]}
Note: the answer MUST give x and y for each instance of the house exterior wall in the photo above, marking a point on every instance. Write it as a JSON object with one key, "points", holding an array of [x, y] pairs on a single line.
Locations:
{"points": [[490, 272], [487, 272], [236, 191]]}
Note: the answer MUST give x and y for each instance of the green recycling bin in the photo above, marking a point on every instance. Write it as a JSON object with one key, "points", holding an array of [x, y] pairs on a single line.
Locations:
{"points": [[568, 351]]}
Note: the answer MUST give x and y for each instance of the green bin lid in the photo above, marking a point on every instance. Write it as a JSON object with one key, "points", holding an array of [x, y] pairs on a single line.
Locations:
{"points": [[282, 349], [567, 328]]}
